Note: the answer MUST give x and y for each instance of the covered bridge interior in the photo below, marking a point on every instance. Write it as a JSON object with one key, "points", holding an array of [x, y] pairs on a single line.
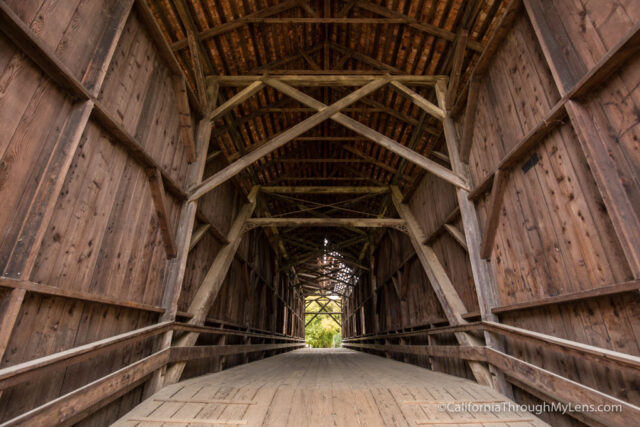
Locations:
{"points": [[181, 178]]}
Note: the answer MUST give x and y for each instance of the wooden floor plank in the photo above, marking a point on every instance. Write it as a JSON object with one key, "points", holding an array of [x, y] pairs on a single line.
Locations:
{"points": [[316, 387]]}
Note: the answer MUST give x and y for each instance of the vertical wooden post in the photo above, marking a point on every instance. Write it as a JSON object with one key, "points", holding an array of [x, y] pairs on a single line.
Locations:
{"points": [[184, 116], [483, 278], [159, 200], [446, 293], [177, 266], [212, 282], [374, 286], [493, 218]]}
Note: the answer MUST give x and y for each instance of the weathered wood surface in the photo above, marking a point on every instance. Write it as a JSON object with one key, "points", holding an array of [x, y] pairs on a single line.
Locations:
{"points": [[341, 387], [81, 246]]}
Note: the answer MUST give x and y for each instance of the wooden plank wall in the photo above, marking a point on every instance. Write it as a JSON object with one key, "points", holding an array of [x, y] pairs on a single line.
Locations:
{"points": [[101, 238], [565, 254], [78, 226], [555, 236]]}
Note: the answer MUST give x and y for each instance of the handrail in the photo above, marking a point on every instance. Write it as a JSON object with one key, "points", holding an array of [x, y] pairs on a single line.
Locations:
{"points": [[594, 353], [22, 372]]}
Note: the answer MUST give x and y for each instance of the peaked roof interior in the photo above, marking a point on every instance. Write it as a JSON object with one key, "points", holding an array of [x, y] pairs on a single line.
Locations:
{"points": [[326, 37]]}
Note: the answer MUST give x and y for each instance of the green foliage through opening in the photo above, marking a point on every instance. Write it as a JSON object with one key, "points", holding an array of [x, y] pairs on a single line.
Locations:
{"points": [[323, 331]]}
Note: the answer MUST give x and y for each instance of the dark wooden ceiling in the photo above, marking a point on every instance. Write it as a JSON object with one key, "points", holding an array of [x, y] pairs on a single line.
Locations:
{"points": [[326, 37]]}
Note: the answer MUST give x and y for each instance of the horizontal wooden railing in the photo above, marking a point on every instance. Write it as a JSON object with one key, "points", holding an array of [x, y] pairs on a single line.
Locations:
{"points": [[79, 403], [548, 383]]}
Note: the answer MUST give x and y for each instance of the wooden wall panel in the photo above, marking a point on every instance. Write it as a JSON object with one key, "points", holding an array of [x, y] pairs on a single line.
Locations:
{"points": [[431, 203], [49, 324], [429, 214], [554, 236], [615, 108], [33, 115], [555, 233], [102, 237], [608, 322], [60, 24], [138, 90], [420, 305], [199, 261], [520, 91]]}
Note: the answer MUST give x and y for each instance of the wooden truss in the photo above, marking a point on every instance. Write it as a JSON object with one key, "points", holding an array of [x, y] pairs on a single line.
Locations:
{"points": [[284, 84]]}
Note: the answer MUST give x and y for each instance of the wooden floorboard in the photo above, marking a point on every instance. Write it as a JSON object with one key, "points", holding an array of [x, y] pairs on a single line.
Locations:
{"points": [[322, 387]]}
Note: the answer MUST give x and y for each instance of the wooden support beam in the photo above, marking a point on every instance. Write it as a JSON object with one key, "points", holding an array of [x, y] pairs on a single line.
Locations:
{"points": [[134, 148], [565, 390], [623, 211], [325, 190], [160, 202], [198, 235], [325, 222], [10, 311], [326, 20], [418, 100], [237, 23], [615, 289], [304, 4], [413, 23], [72, 407], [524, 146], [457, 64], [483, 278], [327, 80], [361, 57], [196, 63], [282, 138], [373, 135], [37, 368], [446, 293], [347, 7], [212, 282], [186, 353], [371, 160], [188, 213], [457, 235], [453, 215], [18, 32], [616, 57], [309, 60], [43, 289], [237, 99], [155, 32], [469, 120], [510, 15], [184, 115], [500, 180]]}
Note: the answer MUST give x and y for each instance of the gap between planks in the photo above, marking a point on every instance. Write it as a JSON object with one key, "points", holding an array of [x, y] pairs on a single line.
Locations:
{"points": [[206, 402], [187, 421]]}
